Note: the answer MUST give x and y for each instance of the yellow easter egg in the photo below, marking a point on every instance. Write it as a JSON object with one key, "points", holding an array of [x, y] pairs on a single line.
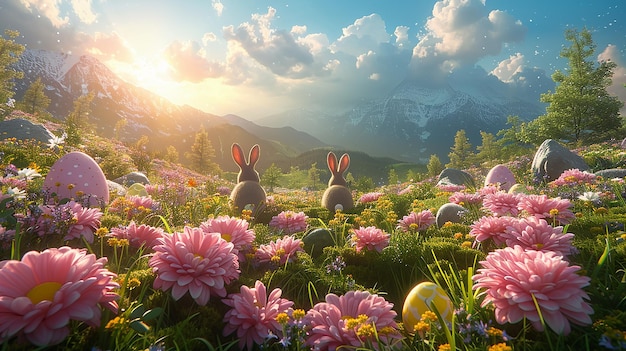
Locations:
{"points": [[425, 296], [518, 188], [137, 189]]}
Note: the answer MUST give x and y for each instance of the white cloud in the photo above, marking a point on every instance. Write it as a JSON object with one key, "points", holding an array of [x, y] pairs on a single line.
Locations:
{"points": [[83, 10], [108, 47], [460, 32], [507, 69], [617, 88], [402, 35], [277, 50], [49, 9], [188, 62], [365, 34], [218, 7]]}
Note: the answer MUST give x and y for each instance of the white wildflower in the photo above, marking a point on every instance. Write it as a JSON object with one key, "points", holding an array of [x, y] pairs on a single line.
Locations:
{"points": [[56, 141], [27, 173]]}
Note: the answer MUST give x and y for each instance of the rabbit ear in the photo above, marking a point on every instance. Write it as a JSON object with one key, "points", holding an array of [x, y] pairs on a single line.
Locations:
{"points": [[344, 163], [255, 152], [331, 160], [238, 155]]}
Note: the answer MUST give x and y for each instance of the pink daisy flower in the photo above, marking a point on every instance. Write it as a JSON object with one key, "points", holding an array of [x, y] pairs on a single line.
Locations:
{"points": [[534, 233], [253, 314], [513, 276], [370, 238], [370, 197], [279, 252], [138, 235], [234, 230], [575, 176], [502, 203], [466, 199], [196, 262], [85, 222], [494, 228], [417, 221], [350, 320], [548, 208], [450, 188], [40, 294], [289, 222]]}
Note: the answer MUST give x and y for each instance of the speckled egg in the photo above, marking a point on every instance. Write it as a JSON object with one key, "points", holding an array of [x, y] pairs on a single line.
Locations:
{"points": [[137, 189], [420, 299], [76, 173], [500, 175]]}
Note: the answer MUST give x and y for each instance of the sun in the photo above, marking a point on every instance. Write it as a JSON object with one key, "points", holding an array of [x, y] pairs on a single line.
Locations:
{"points": [[152, 74]]}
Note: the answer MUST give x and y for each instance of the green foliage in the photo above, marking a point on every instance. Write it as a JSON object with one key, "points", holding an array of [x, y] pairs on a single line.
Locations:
{"points": [[35, 100], [488, 151], [202, 154], [580, 110], [113, 163], [314, 176], [461, 155], [434, 166], [77, 122], [10, 52], [271, 177], [392, 177]]}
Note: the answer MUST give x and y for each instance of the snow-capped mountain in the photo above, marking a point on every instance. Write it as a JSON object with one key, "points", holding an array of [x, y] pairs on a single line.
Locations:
{"points": [[416, 120], [67, 77]]}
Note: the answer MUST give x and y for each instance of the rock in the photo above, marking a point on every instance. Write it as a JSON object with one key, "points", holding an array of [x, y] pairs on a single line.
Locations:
{"points": [[316, 240], [116, 188], [623, 144], [611, 173], [77, 172], [500, 175], [456, 177], [23, 129], [132, 178], [552, 159], [449, 213]]}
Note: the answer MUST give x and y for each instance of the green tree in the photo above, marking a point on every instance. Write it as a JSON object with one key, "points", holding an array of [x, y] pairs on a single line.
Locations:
{"points": [[580, 110], [461, 154], [202, 154], [314, 175], [364, 184], [434, 166], [77, 122], [410, 175], [392, 177], [488, 151], [119, 126], [514, 140], [10, 53], [171, 154], [35, 100], [271, 177]]}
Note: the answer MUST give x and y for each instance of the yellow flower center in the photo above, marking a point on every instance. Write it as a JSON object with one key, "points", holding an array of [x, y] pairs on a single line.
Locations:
{"points": [[227, 237], [43, 291]]}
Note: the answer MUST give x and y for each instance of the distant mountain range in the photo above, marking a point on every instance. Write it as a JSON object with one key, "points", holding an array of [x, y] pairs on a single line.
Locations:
{"points": [[409, 124]]}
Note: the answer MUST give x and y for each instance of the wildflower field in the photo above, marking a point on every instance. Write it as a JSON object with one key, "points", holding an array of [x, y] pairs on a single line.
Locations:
{"points": [[172, 266]]}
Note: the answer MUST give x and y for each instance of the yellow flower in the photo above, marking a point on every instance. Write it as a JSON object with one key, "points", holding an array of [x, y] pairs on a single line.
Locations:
{"points": [[495, 332], [365, 331], [429, 316], [298, 313], [115, 323], [500, 347], [444, 347], [282, 318]]}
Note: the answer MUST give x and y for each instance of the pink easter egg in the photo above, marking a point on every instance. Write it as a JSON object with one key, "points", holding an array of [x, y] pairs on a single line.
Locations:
{"points": [[502, 176], [75, 173]]}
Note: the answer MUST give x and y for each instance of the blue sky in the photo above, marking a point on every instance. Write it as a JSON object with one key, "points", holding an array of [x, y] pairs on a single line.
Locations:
{"points": [[256, 58]]}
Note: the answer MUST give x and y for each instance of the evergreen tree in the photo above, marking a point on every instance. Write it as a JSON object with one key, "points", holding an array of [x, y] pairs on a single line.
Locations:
{"points": [[392, 177], [434, 166], [10, 53], [410, 175], [461, 152], [514, 140], [171, 154], [489, 150], [580, 110], [202, 154], [77, 122], [35, 100], [271, 176], [140, 155], [314, 175], [119, 126]]}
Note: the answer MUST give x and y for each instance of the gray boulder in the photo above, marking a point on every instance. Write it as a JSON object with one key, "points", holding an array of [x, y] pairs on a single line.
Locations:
{"points": [[449, 212], [23, 129], [456, 177], [552, 159], [132, 178], [116, 188], [611, 173]]}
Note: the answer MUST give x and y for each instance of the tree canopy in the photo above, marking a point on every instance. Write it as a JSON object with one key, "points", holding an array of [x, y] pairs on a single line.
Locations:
{"points": [[580, 109]]}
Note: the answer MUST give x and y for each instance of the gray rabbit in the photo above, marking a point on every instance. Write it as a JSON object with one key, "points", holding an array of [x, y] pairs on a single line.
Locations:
{"points": [[337, 195], [248, 192]]}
